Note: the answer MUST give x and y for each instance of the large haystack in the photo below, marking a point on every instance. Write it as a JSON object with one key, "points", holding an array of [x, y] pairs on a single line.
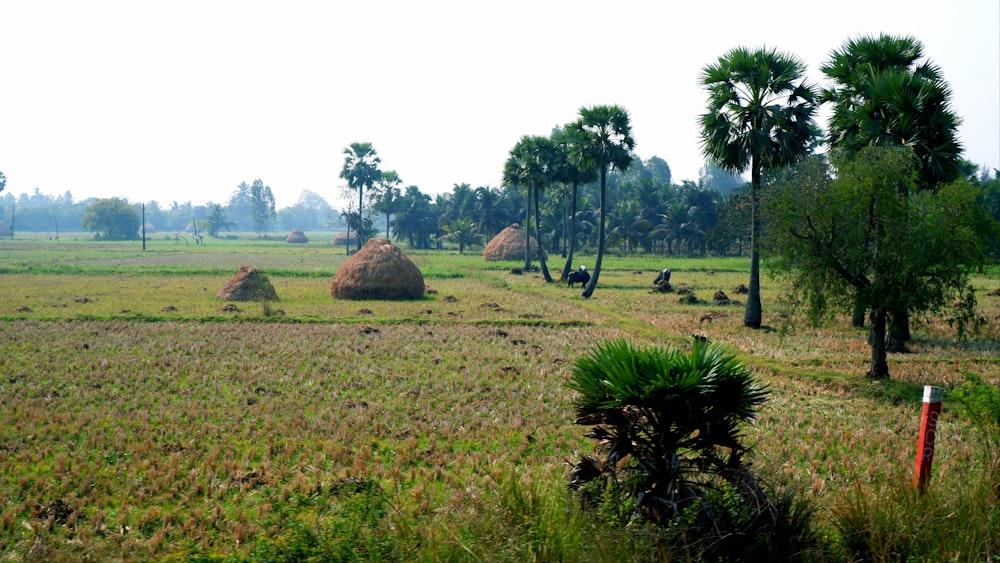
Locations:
{"points": [[4, 229], [249, 284], [509, 245], [343, 240], [378, 271], [297, 236]]}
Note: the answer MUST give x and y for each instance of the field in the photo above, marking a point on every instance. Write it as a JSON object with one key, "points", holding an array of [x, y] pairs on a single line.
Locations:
{"points": [[143, 421]]}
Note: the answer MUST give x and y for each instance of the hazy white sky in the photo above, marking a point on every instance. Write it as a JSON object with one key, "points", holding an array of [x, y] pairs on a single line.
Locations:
{"points": [[183, 100]]}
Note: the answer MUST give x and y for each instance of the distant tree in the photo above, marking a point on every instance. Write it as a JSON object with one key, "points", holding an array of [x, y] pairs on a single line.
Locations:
{"points": [[716, 178], [387, 195], [112, 219], [489, 211], [575, 171], [239, 208], [760, 116], [659, 171], [262, 206], [838, 240], [361, 172], [605, 141], [3, 181], [415, 221], [217, 220], [533, 163], [462, 232]]}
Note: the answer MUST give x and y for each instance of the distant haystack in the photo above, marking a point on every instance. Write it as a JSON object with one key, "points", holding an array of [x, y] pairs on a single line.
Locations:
{"points": [[248, 284], [150, 228], [297, 236], [343, 240], [378, 271], [509, 245], [4, 229]]}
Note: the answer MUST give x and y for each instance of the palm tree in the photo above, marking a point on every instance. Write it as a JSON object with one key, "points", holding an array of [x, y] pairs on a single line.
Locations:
{"points": [[217, 221], [603, 139], [884, 95], [387, 196], [462, 232], [575, 172], [668, 425], [760, 116], [361, 171], [532, 164]]}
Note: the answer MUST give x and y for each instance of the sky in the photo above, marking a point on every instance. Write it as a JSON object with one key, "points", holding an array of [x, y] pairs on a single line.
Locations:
{"points": [[183, 100]]}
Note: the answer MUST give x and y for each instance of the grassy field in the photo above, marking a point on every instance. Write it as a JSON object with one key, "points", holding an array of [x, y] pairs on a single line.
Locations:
{"points": [[143, 421]]}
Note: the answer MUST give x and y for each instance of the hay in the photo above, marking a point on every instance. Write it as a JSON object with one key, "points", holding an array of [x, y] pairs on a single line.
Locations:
{"points": [[297, 236], [342, 240], [4, 229], [509, 245], [248, 284], [150, 228], [378, 271]]}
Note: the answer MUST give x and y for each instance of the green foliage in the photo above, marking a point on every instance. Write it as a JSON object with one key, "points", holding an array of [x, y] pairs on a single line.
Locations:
{"points": [[112, 219], [667, 423]]}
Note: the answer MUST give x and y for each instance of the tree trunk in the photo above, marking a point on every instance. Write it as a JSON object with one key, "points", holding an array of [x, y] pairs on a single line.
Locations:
{"points": [[601, 237], [572, 236], [879, 367], [899, 331], [527, 232], [538, 235], [860, 309], [752, 314]]}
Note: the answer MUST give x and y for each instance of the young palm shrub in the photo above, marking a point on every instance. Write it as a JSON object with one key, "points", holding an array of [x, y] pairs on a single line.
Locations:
{"points": [[667, 426]]}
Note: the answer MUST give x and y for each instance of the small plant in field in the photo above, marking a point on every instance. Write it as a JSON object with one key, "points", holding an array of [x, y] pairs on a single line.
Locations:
{"points": [[667, 425]]}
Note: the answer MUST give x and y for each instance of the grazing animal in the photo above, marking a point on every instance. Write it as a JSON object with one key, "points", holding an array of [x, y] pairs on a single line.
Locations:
{"points": [[662, 277], [580, 276]]}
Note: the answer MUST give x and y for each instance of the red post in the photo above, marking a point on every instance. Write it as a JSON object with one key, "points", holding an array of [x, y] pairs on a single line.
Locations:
{"points": [[928, 429]]}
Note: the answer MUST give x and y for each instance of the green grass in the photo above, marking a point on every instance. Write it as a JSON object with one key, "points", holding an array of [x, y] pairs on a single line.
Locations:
{"points": [[144, 422]]}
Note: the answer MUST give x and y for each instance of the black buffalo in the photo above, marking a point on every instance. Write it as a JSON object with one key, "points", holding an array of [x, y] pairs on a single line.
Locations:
{"points": [[580, 276]]}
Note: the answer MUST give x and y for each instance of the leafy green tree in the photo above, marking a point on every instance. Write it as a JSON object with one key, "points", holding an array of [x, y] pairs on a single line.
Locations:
{"points": [[491, 211], [602, 140], [760, 116], [462, 232], [112, 219], [533, 163], [415, 221], [3, 181], [361, 170], [668, 427], [837, 239], [885, 94], [217, 221], [262, 207]]}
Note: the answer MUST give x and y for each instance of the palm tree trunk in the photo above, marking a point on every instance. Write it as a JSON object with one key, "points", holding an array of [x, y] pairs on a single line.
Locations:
{"points": [[752, 313], [879, 367], [572, 237], [601, 237], [527, 232], [361, 202], [538, 235]]}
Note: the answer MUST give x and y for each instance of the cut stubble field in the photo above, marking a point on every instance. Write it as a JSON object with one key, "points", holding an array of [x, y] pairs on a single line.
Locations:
{"points": [[141, 419]]}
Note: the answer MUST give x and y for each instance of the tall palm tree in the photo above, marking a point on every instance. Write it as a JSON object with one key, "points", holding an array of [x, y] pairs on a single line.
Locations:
{"points": [[575, 172], [361, 172], [532, 163], [760, 116], [885, 94], [605, 141]]}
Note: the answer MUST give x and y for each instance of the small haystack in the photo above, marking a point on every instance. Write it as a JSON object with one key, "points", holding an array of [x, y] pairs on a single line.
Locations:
{"points": [[249, 284], [342, 239], [150, 228], [509, 245], [378, 271], [297, 236], [4, 229]]}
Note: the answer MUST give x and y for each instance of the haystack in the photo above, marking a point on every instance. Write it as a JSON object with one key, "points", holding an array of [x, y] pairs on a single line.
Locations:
{"points": [[150, 228], [4, 229], [248, 284], [509, 245], [378, 271], [343, 240], [297, 236]]}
